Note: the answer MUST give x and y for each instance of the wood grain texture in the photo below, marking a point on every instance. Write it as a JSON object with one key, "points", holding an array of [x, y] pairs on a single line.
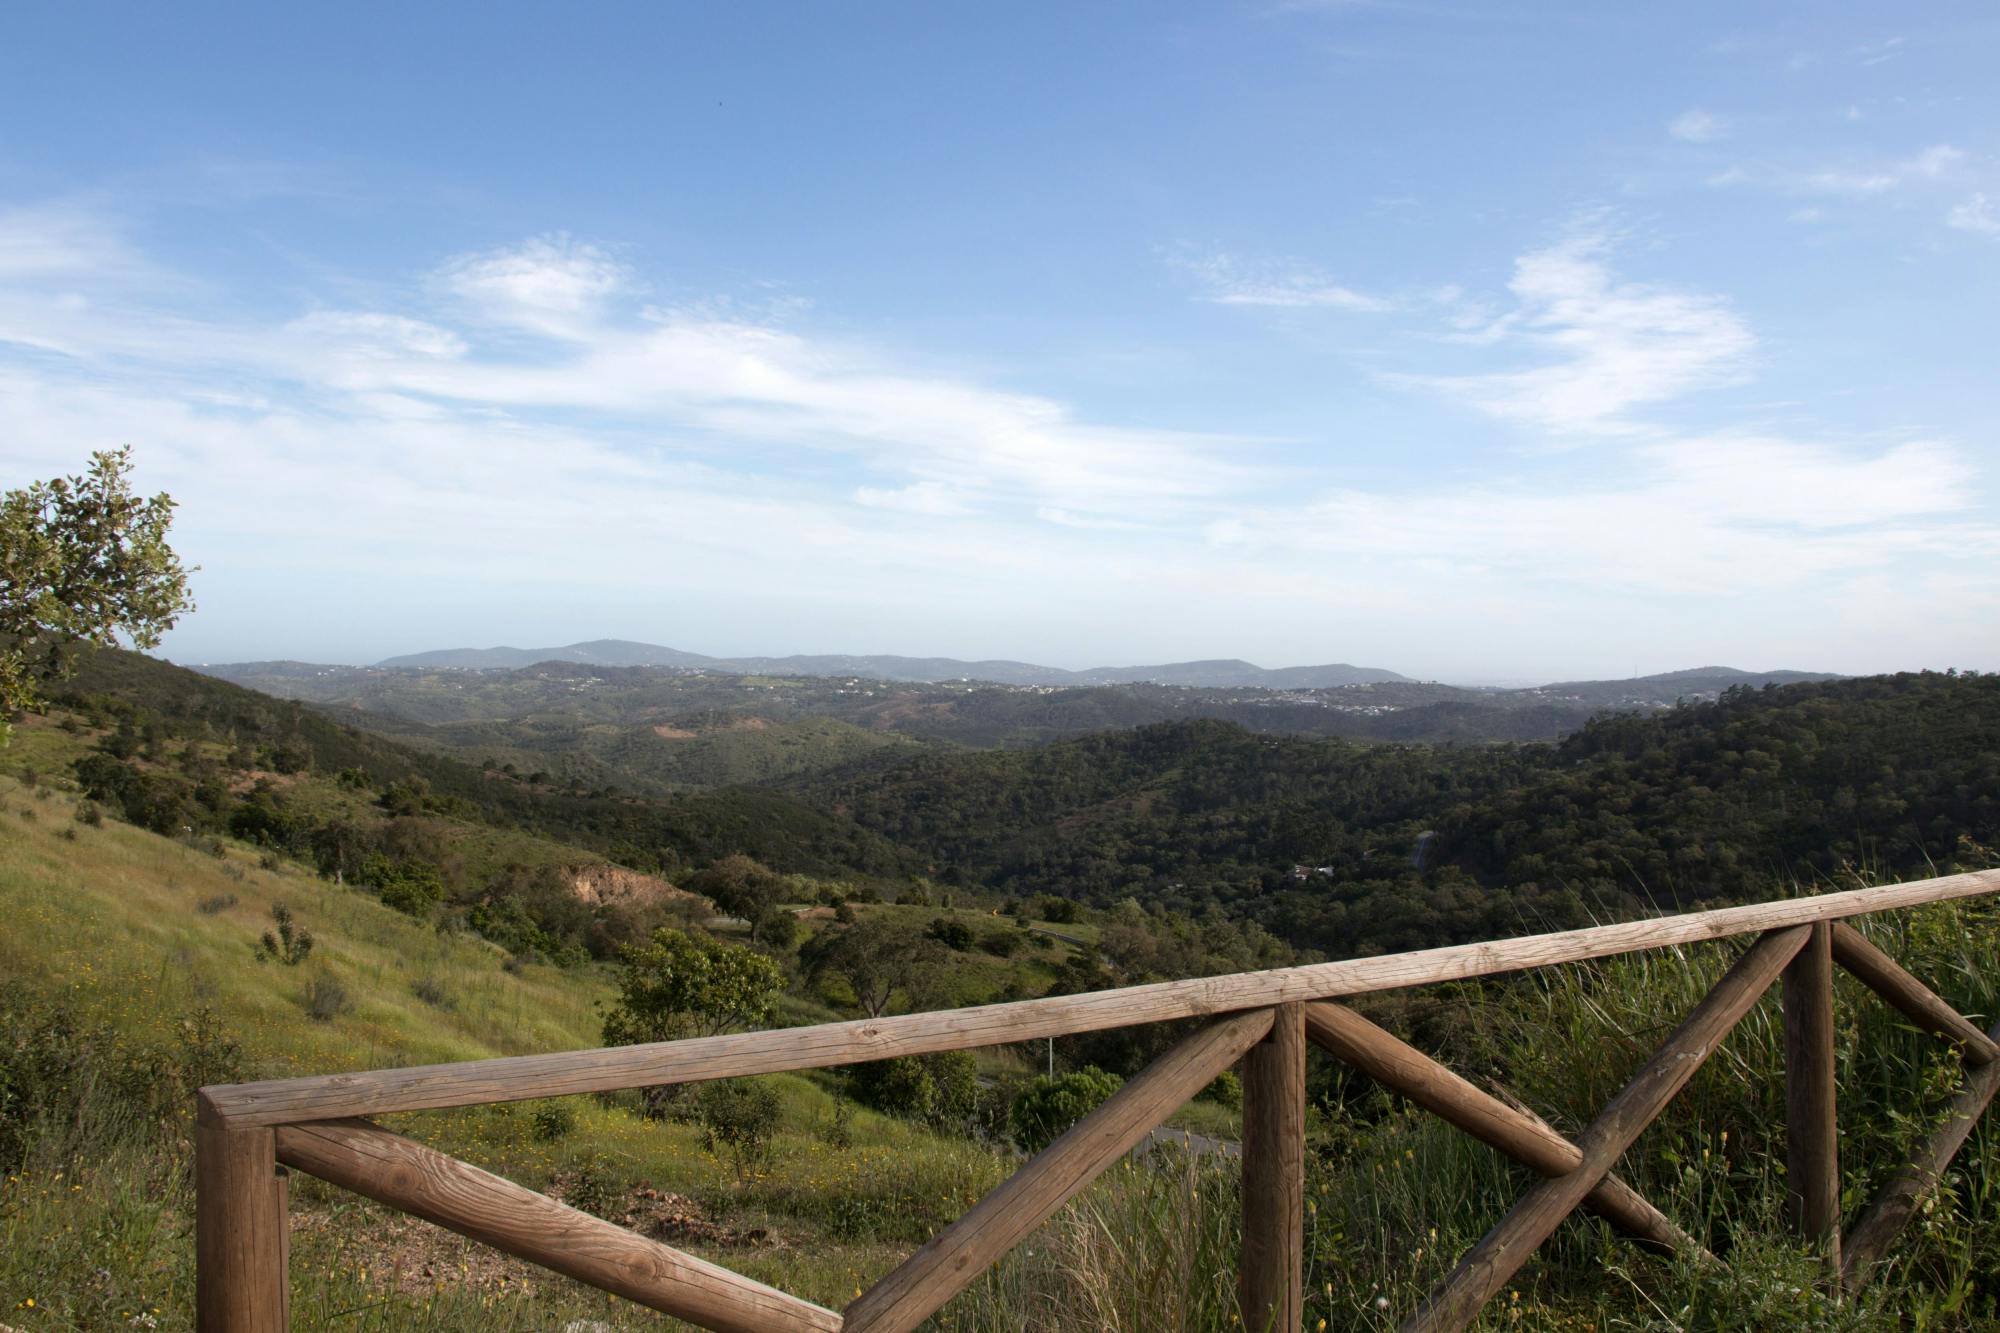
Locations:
{"points": [[514, 1078], [391, 1169], [956, 1256], [1492, 1263], [1903, 1193], [1914, 1000], [1812, 1138], [1272, 1265], [1397, 1065], [241, 1282]]}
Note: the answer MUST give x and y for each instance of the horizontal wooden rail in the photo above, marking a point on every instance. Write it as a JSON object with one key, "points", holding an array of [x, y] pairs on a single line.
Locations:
{"points": [[245, 1131], [404, 1174], [427, 1087]]}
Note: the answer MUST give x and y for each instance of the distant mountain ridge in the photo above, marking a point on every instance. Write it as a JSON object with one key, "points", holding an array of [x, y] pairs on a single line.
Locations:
{"points": [[1229, 673]]}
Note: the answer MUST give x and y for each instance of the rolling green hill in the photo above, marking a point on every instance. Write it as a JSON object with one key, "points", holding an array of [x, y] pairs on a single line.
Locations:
{"points": [[1348, 848]]}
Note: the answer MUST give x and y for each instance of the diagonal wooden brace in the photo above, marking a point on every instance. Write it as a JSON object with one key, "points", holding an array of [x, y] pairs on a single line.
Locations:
{"points": [[1902, 1193], [951, 1260], [1397, 1065], [402, 1173], [1916, 1001], [1492, 1263]]}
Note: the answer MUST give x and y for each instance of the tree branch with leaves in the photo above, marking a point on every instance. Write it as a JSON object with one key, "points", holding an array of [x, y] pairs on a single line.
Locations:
{"points": [[82, 560]]}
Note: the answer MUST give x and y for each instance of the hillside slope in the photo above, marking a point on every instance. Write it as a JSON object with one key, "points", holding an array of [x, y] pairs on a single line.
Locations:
{"points": [[1348, 848]]}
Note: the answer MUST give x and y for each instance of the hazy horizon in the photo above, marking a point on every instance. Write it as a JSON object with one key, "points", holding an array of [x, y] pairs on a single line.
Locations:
{"points": [[1488, 681], [1528, 344]]}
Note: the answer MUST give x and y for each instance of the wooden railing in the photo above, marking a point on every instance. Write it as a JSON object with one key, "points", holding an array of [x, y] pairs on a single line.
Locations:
{"points": [[246, 1131]]}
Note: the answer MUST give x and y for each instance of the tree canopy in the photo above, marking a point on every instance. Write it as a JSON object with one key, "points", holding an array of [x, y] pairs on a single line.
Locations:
{"points": [[82, 560], [682, 984]]}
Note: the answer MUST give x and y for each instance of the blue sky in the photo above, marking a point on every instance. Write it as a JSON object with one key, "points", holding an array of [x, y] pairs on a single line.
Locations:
{"points": [[1484, 342]]}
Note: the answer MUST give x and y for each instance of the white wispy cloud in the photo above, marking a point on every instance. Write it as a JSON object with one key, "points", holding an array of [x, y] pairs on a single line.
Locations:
{"points": [[1977, 213], [1287, 284], [1610, 346], [63, 241], [705, 375], [551, 285], [1698, 126], [521, 425], [1705, 516], [1929, 166], [923, 497]]}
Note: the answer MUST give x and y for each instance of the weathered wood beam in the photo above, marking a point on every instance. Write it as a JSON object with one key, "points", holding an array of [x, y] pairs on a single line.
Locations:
{"points": [[391, 1169], [955, 1257], [1397, 1065], [1271, 1272], [240, 1230], [1902, 1194], [515, 1078], [1914, 1000], [1492, 1263], [1812, 1137]]}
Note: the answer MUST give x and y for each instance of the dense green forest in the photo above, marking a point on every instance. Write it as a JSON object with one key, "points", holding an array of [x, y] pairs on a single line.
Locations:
{"points": [[1347, 848], [1333, 846]]}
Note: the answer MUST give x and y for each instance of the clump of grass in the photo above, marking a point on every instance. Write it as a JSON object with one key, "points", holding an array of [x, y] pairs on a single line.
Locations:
{"points": [[326, 998], [552, 1123], [433, 992], [216, 904]]}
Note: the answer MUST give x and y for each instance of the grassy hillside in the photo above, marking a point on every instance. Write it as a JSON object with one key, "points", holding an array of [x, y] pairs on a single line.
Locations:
{"points": [[667, 834], [120, 943], [132, 973]]}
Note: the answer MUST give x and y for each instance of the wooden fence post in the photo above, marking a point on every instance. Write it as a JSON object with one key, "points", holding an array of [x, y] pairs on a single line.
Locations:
{"points": [[1812, 1142], [1270, 1281], [241, 1285]]}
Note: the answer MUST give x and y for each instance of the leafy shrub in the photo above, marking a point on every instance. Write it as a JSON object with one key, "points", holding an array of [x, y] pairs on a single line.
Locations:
{"points": [[291, 943], [595, 1189], [432, 992], [1003, 942], [552, 1123], [738, 1116], [76, 1087], [88, 813], [954, 935], [940, 1089], [1050, 907], [326, 998], [1047, 1107], [410, 886], [216, 905], [777, 928], [1225, 1090], [837, 1130]]}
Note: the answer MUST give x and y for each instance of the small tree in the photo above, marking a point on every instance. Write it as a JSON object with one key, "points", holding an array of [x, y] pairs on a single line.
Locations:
{"points": [[681, 984], [739, 886], [82, 560], [291, 943], [879, 961], [738, 1116], [1048, 1107]]}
